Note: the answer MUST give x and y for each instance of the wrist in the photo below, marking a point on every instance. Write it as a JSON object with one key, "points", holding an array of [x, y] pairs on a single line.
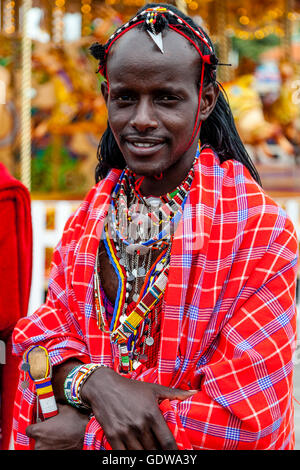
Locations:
{"points": [[91, 387], [75, 381]]}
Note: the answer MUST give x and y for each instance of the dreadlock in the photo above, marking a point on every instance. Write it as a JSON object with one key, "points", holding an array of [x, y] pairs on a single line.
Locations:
{"points": [[218, 130]]}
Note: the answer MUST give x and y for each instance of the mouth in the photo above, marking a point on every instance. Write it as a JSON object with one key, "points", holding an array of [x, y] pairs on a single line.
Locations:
{"points": [[143, 147], [142, 144]]}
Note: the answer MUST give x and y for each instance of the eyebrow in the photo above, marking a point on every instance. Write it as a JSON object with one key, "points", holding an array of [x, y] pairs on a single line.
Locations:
{"points": [[169, 89]]}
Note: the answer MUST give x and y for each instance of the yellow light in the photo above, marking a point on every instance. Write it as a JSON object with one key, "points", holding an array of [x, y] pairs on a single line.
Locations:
{"points": [[259, 34], [243, 35], [268, 30], [60, 3], [280, 32], [244, 20], [10, 29], [86, 8], [291, 16], [193, 5], [272, 14]]}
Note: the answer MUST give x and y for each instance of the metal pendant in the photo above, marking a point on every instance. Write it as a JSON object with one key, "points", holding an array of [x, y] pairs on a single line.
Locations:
{"points": [[25, 367], [149, 341], [157, 38], [132, 249], [135, 297], [154, 202], [141, 272]]}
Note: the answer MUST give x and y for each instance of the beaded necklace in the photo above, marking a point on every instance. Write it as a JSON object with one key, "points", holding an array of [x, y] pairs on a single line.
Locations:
{"points": [[126, 249]]}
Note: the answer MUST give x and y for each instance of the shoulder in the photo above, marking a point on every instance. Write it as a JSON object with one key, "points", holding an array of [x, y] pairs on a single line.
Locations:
{"points": [[248, 204], [239, 185]]}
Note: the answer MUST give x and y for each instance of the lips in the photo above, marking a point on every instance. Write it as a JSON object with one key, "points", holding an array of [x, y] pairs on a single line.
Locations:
{"points": [[143, 146]]}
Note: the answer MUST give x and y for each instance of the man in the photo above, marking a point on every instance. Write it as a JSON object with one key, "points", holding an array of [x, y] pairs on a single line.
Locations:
{"points": [[170, 316]]}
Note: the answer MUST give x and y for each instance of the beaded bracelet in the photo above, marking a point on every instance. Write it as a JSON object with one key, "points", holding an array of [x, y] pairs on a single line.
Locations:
{"points": [[74, 382]]}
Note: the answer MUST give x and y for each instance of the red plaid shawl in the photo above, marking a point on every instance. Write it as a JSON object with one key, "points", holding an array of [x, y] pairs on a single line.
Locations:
{"points": [[228, 322]]}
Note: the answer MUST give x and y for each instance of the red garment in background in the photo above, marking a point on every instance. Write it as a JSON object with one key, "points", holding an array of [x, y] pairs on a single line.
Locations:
{"points": [[15, 275]]}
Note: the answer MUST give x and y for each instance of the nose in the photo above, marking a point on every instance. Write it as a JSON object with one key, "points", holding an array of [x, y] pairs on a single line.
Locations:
{"points": [[143, 117]]}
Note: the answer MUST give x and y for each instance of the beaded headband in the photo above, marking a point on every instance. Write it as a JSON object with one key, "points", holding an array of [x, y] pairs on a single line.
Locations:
{"points": [[154, 20]]}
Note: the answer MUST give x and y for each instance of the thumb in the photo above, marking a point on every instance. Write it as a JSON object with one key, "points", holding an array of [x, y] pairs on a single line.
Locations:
{"points": [[32, 430], [163, 393]]}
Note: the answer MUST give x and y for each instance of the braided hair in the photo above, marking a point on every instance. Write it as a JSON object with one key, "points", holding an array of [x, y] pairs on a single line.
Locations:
{"points": [[218, 130]]}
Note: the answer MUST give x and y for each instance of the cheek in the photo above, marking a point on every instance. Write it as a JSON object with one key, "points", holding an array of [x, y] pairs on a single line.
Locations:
{"points": [[180, 124], [118, 119]]}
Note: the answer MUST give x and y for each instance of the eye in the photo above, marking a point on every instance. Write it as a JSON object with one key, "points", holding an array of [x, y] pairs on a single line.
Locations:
{"points": [[122, 98], [167, 98]]}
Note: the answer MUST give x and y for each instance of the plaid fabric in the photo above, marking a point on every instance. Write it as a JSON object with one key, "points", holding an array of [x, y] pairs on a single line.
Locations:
{"points": [[228, 319]]}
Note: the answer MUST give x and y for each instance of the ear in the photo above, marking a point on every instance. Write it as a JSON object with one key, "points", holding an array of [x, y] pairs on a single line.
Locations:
{"points": [[104, 90], [209, 98]]}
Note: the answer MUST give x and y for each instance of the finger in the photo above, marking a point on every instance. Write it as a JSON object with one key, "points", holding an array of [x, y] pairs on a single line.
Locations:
{"points": [[32, 430], [149, 441], [133, 444], [116, 444], [173, 393], [163, 434]]}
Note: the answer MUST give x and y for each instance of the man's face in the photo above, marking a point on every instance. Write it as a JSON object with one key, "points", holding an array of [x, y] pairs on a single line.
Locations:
{"points": [[152, 101]]}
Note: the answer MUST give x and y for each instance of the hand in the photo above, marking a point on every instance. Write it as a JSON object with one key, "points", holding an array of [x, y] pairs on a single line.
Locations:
{"points": [[65, 431], [128, 410]]}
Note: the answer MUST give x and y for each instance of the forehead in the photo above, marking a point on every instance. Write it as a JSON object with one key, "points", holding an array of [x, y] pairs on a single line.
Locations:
{"points": [[136, 54]]}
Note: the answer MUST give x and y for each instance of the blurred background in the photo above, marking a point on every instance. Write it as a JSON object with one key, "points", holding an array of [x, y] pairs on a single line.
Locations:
{"points": [[52, 114]]}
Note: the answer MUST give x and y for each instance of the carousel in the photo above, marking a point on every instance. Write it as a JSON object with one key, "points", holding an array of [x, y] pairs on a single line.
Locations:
{"points": [[52, 114]]}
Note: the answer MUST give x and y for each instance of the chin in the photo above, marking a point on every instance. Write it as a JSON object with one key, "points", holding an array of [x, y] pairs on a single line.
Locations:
{"points": [[144, 169], [147, 172]]}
